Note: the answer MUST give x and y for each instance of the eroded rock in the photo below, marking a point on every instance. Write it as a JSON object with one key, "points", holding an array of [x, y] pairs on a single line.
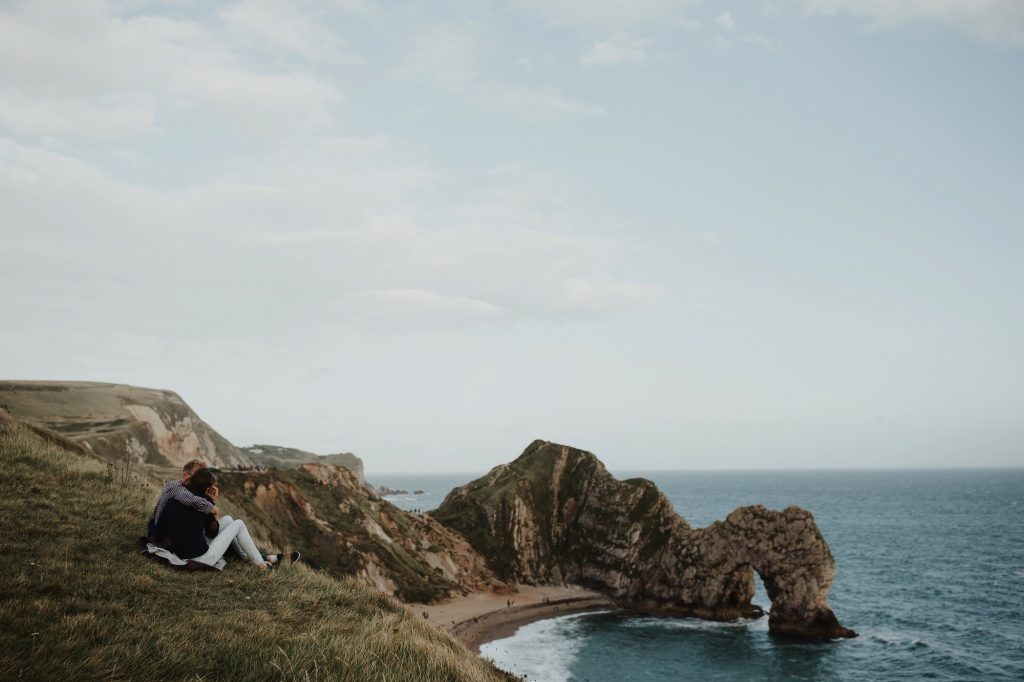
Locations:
{"points": [[343, 527], [556, 515]]}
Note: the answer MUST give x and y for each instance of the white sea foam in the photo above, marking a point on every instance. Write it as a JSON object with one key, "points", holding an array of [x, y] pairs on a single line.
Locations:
{"points": [[544, 651], [696, 624]]}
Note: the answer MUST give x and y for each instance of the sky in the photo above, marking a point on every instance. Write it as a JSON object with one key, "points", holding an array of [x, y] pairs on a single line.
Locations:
{"points": [[679, 234]]}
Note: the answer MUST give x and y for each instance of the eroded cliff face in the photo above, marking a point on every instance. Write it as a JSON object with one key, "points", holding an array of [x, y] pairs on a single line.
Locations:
{"points": [[557, 515], [344, 528], [118, 423]]}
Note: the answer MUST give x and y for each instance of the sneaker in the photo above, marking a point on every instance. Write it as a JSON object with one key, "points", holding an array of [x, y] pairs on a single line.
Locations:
{"points": [[295, 556]]}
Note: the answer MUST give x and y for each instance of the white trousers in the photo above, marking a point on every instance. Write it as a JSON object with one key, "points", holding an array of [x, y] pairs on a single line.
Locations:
{"points": [[233, 533]]}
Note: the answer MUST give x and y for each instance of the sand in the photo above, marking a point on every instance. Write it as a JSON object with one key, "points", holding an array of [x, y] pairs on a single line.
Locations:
{"points": [[486, 616]]}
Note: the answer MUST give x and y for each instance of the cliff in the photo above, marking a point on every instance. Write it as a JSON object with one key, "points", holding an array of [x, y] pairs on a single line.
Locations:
{"points": [[111, 613], [344, 528], [292, 458], [555, 515], [115, 422]]}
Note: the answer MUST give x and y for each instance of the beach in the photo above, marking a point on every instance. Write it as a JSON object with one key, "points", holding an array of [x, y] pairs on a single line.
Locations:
{"points": [[486, 616]]}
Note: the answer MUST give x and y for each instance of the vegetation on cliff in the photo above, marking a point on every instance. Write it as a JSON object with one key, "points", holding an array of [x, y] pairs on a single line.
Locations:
{"points": [[79, 602], [346, 529], [292, 458]]}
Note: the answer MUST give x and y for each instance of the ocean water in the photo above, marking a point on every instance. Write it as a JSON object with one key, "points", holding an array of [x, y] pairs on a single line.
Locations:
{"points": [[929, 571]]}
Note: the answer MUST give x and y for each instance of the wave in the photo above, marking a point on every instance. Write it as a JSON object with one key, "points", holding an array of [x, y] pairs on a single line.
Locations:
{"points": [[696, 624], [543, 651]]}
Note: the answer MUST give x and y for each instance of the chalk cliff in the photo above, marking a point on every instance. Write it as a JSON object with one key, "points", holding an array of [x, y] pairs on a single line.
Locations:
{"points": [[117, 422], [555, 515]]}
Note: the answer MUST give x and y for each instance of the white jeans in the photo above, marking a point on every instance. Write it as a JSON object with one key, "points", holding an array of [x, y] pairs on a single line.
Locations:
{"points": [[233, 533]]}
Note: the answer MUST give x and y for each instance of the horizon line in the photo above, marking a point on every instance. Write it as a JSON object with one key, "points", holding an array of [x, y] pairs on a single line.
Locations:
{"points": [[994, 467]]}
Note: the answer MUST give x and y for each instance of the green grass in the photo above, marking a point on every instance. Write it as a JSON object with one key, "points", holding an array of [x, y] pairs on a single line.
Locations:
{"points": [[77, 601]]}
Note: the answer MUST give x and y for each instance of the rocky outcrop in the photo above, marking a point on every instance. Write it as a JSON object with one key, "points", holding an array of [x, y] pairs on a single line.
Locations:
{"points": [[344, 528], [555, 515], [120, 423], [292, 458]]}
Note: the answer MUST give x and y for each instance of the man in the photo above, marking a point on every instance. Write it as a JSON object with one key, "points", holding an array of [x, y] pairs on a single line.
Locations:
{"points": [[175, 490]]}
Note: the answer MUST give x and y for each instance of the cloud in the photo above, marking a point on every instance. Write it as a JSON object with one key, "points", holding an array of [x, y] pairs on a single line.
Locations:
{"points": [[725, 20], [452, 58], [997, 22], [762, 41], [136, 74], [604, 15], [112, 116], [295, 247], [618, 50], [280, 25], [608, 296], [417, 306], [532, 102]]}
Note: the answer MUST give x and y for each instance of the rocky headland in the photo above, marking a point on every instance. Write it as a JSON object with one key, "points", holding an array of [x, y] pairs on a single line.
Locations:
{"points": [[556, 516], [115, 422], [281, 457]]}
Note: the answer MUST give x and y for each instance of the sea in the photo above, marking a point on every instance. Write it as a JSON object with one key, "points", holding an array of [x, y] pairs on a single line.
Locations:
{"points": [[929, 572]]}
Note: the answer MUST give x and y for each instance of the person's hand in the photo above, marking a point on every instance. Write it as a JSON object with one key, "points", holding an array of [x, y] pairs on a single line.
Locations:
{"points": [[215, 511], [212, 491]]}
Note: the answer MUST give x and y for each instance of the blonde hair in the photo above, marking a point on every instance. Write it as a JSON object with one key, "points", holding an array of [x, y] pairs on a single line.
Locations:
{"points": [[192, 465]]}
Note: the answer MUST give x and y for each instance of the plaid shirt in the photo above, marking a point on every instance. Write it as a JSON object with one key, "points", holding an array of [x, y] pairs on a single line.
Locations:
{"points": [[176, 490]]}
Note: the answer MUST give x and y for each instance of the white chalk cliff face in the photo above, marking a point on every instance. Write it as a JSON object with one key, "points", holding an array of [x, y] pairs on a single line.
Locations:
{"points": [[556, 515], [118, 422]]}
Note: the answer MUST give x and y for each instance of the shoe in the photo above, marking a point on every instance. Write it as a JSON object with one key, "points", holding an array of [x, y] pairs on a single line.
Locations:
{"points": [[277, 559]]}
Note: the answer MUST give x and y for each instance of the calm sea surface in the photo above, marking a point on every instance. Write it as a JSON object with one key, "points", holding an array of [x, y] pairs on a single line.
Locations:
{"points": [[929, 571]]}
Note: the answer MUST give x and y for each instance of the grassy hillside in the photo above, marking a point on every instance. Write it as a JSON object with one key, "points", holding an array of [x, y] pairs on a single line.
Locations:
{"points": [[346, 529], [78, 602]]}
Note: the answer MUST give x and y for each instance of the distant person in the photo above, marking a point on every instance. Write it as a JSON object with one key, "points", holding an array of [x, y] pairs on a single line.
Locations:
{"points": [[200, 536]]}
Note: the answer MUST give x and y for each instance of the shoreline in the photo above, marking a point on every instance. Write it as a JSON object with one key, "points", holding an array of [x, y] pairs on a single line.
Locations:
{"points": [[483, 617]]}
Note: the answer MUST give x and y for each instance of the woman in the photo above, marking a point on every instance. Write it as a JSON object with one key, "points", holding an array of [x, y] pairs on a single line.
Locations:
{"points": [[189, 529]]}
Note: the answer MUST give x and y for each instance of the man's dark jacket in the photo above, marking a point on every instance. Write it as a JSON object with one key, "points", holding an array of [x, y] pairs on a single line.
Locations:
{"points": [[186, 529]]}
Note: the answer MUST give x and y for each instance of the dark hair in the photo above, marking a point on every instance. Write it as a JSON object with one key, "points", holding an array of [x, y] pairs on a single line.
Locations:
{"points": [[201, 480]]}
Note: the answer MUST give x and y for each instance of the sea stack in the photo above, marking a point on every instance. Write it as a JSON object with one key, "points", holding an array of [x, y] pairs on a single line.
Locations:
{"points": [[555, 515]]}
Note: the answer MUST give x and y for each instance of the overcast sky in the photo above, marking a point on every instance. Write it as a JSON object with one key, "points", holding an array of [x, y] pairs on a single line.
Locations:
{"points": [[718, 234]]}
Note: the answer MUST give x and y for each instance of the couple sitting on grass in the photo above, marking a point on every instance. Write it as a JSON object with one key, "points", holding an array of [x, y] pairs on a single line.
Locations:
{"points": [[187, 524]]}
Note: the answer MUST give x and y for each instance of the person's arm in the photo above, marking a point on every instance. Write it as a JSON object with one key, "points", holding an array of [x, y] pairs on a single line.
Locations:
{"points": [[185, 496], [210, 523]]}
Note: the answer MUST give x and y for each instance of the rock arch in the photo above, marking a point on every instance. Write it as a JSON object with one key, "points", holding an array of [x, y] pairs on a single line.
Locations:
{"points": [[556, 515]]}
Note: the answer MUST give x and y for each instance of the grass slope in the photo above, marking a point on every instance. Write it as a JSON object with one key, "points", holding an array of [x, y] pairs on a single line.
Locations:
{"points": [[78, 602]]}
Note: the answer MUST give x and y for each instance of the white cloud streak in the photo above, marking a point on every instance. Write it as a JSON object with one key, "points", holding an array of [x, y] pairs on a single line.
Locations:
{"points": [[451, 58], [617, 50], [997, 22], [75, 71]]}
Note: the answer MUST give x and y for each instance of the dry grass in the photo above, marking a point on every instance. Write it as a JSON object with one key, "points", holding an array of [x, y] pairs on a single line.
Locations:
{"points": [[77, 601]]}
